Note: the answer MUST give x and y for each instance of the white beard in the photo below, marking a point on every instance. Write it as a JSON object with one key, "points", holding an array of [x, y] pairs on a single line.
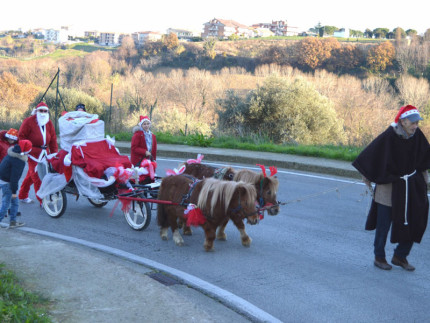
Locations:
{"points": [[42, 118]]}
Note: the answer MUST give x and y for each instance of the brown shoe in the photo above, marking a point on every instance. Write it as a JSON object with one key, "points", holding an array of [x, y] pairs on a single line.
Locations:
{"points": [[402, 262], [382, 263]]}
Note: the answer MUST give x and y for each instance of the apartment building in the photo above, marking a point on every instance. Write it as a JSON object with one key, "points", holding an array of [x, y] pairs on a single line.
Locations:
{"points": [[223, 29], [109, 39], [140, 38]]}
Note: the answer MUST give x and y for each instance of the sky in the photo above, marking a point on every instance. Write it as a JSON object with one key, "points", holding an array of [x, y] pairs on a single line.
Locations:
{"points": [[158, 15]]}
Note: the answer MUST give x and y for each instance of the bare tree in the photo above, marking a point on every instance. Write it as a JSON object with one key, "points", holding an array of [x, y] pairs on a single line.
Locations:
{"points": [[414, 91]]}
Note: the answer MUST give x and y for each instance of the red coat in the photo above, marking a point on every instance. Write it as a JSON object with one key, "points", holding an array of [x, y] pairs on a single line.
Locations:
{"points": [[139, 149], [4, 144], [30, 130]]}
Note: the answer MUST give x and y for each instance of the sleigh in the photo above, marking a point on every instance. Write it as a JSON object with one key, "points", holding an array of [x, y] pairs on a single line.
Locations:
{"points": [[90, 166]]}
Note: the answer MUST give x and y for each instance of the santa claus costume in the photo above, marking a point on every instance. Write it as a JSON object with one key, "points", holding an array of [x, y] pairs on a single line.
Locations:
{"points": [[41, 132], [143, 142], [7, 139]]}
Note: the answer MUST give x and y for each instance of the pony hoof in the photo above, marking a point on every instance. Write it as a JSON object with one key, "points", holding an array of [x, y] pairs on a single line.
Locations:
{"points": [[164, 238], [222, 237], [246, 242], [178, 239], [188, 232]]}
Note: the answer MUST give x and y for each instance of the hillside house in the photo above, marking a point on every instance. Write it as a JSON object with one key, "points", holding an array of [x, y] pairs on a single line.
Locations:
{"points": [[223, 29], [109, 39], [342, 33], [140, 38], [184, 35], [278, 28], [56, 35], [91, 33]]}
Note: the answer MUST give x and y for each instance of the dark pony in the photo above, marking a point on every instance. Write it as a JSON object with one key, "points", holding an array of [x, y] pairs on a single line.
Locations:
{"points": [[218, 201], [266, 188], [204, 171]]}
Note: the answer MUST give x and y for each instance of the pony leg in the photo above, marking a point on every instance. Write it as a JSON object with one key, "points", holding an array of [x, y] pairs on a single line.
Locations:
{"points": [[221, 231], [187, 230], [177, 238], [163, 233], [209, 239], [246, 240]]}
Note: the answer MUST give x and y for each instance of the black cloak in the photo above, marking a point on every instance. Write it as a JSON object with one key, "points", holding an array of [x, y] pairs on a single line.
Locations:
{"points": [[386, 160]]}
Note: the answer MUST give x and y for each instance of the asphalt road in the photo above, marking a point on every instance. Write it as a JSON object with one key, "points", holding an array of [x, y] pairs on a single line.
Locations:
{"points": [[313, 262]]}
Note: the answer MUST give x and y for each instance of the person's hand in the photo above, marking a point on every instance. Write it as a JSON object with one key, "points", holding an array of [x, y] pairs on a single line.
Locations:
{"points": [[14, 196], [148, 153]]}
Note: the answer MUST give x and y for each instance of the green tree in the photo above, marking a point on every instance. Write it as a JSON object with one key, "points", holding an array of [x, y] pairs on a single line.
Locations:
{"points": [[368, 33], [329, 30], [293, 113], [411, 32], [284, 112], [380, 32], [209, 48]]}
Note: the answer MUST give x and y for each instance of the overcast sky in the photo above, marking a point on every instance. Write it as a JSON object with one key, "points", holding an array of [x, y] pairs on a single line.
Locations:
{"points": [[158, 15]]}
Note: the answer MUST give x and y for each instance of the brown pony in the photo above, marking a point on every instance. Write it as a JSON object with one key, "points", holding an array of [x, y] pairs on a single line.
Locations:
{"points": [[266, 187], [218, 200], [201, 171]]}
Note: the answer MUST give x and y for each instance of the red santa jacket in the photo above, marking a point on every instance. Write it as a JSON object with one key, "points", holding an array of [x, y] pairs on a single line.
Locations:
{"points": [[4, 144], [42, 145], [138, 147]]}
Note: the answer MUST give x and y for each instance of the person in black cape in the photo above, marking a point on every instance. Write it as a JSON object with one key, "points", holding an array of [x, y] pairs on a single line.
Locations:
{"points": [[397, 162]]}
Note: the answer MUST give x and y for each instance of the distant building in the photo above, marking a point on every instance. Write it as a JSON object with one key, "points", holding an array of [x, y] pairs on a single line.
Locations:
{"points": [[278, 28], [342, 33], [263, 32], [56, 36], [181, 33], [109, 39], [223, 29], [140, 38], [92, 33]]}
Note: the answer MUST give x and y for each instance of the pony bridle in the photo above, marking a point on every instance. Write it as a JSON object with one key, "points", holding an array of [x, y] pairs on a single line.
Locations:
{"points": [[237, 209], [273, 171]]}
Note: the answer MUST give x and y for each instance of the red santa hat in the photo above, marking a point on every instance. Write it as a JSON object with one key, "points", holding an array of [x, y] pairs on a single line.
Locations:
{"points": [[409, 112], [12, 134], [41, 106], [142, 119], [25, 146]]}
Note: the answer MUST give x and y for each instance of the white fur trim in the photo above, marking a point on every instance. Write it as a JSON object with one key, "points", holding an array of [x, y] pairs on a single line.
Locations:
{"points": [[408, 113]]}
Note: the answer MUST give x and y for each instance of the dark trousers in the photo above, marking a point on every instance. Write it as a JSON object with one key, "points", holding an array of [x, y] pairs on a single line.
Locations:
{"points": [[383, 224]]}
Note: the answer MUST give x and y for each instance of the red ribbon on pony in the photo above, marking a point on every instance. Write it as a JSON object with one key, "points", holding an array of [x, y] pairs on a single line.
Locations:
{"points": [[194, 215], [273, 170]]}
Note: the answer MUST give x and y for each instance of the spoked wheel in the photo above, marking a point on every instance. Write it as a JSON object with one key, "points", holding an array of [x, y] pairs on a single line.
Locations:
{"points": [[139, 215], [97, 203], [55, 204]]}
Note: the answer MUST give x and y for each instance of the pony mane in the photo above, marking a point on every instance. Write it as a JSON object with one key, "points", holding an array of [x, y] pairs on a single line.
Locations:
{"points": [[249, 176], [223, 191]]}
